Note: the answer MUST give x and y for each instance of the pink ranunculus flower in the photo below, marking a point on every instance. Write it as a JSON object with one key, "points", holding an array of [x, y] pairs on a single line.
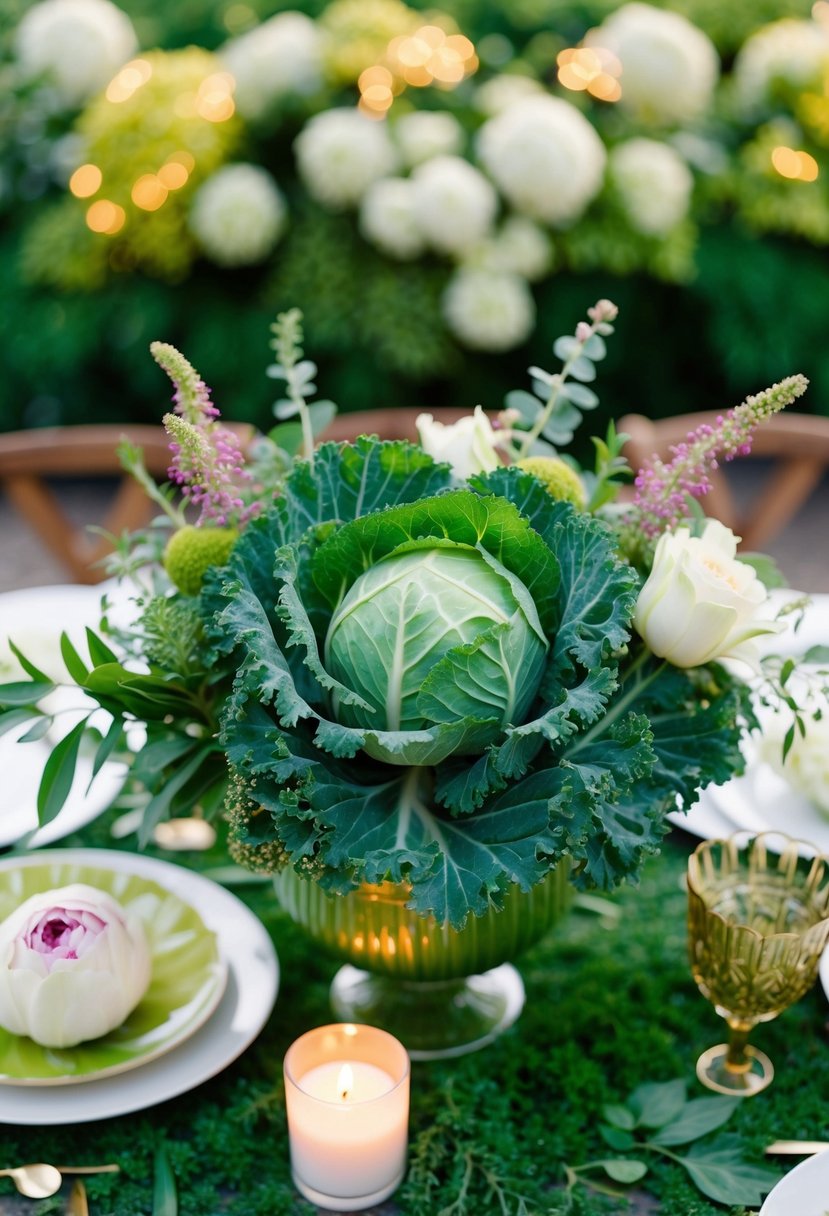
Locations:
{"points": [[73, 966]]}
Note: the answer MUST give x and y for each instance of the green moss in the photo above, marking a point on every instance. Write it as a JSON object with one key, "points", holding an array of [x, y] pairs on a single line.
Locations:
{"points": [[558, 478], [192, 551]]}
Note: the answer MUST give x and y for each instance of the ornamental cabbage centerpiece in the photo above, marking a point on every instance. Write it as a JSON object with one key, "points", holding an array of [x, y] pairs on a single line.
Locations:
{"points": [[459, 676]]}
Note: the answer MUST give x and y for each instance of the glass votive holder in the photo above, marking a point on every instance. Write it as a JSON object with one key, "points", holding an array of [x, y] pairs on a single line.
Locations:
{"points": [[347, 1095]]}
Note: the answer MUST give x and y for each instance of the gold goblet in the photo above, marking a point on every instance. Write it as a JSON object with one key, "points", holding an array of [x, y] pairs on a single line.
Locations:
{"points": [[758, 922]]}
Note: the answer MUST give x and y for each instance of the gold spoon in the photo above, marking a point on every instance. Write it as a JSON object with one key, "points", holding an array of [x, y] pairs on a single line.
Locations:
{"points": [[39, 1181], [34, 1181]]}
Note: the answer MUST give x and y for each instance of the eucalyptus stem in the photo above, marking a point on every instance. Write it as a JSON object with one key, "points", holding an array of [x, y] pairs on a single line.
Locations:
{"points": [[555, 391]]}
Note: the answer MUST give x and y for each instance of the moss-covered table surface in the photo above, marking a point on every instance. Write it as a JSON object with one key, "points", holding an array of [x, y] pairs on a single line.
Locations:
{"points": [[610, 1004]]}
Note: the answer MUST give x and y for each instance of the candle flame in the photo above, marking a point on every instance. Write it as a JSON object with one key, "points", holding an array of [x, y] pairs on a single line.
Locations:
{"points": [[345, 1082]]}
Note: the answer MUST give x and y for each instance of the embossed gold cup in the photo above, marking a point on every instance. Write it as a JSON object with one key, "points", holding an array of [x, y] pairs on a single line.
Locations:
{"points": [[758, 921]]}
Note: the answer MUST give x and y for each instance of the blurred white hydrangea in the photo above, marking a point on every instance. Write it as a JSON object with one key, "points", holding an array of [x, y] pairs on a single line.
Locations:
{"points": [[423, 134], [455, 203], [545, 157], [340, 153], [238, 215], [502, 91], [78, 45], [795, 52], [669, 67], [282, 55], [806, 767], [654, 184], [388, 218], [520, 246], [488, 311]]}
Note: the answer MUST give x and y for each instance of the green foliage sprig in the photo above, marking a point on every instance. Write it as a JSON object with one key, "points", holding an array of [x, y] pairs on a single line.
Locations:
{"points": [[657, 1118], [298, 374]]}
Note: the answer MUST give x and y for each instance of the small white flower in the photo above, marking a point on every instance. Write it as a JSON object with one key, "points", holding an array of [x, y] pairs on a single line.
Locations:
{"points": [[73, 966], [340, 153], [238, 215], [669, 67], [545, 157], [488, 311], [455, 204], [78, 45], [388, 218], [468, 445], [700, 602], [654, 184], [281, 56], [423, 134], [521, 246], [794, 52], [502, 91]]}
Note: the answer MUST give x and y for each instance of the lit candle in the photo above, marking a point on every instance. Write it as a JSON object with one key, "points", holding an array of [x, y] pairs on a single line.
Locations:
{"points": [[347, 1094]]}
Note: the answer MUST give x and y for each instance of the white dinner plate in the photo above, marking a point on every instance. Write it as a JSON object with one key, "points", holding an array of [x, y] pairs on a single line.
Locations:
{"points": [[803, 1192], [253, 982], [34, 619]]}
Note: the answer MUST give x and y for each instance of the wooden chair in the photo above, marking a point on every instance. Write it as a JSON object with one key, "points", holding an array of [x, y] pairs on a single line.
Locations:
{"points": [[796, 444], [30, 461]]}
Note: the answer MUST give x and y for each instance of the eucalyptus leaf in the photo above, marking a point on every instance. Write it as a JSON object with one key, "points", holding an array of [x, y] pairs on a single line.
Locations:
{"points": [[321, 414], [619, 1140], [40, 728], [580, 395], [288, 436], [626, 1171], [11, 718], [582, 369], [697, 1118], [721, 1173], [817, 654], [657, 1103], [525, 403], [565, 347], [620, 1116], [595, 347]]}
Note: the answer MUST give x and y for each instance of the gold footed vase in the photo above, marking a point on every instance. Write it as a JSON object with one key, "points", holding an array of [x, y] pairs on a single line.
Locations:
{"points": [[442, 992]]}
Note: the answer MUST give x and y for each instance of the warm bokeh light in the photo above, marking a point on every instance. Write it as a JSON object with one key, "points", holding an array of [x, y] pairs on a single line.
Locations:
{"points": [[797, 166], [86, 181], [377, 88], [214, 99], [128, 80], [149, 192], [105, 217], [431, 56], [590, 69], [173, 175]]}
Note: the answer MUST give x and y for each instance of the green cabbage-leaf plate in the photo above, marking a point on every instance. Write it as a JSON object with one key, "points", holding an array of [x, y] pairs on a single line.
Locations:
{"points": [[188, 979]]}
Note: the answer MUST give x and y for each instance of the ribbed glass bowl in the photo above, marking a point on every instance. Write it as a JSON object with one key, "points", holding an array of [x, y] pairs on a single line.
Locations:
{"points": [[440, 990]]}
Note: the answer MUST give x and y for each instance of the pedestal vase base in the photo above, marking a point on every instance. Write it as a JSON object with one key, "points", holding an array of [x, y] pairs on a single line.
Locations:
{"points": [[434, 1020], [715, 1072]]}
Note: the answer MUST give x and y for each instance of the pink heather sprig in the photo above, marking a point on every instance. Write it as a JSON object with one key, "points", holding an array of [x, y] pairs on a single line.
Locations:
{"points": [[208, 465], [663, 490], [192, 396]]}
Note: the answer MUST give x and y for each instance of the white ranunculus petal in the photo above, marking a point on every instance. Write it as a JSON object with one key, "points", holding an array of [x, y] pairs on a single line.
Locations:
{"points": [[74, 966]]}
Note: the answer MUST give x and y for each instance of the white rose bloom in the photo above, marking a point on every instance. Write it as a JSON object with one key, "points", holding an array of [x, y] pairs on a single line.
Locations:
{"points": [[806, 767], [795, 52], [238, 215], [388, 218], [281, 56], [455, 204], [654, 184], [699, 602], [78, 44], [427, 133], [519, 247], [73, 966], [488, 311], [669, 67], [545, 157], [504, 90], [468, 445], [340, 153]]}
